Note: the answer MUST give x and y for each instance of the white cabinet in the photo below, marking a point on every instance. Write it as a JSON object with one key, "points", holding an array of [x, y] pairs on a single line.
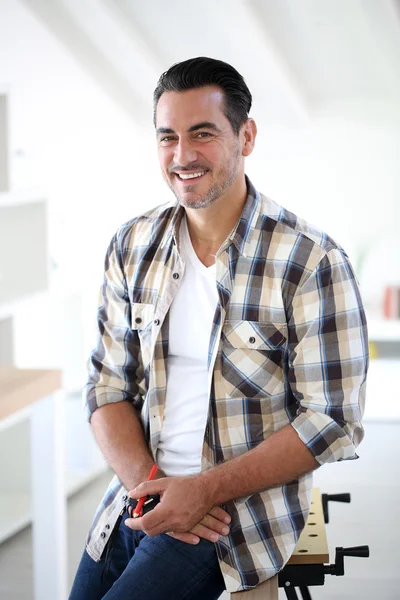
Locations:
{"points": [[82, 463], [27, 297], [4, 143], [23, 248]]}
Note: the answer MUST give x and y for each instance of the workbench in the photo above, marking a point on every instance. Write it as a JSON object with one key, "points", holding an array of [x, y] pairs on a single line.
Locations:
{"points": [[307, 566]]}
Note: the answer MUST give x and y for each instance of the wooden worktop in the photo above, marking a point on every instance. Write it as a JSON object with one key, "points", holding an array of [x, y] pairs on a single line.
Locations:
{"points": [[20, 388], [312, 546]]}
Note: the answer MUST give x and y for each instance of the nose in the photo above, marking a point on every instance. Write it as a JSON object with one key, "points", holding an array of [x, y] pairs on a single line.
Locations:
{"points": [[184, 154]]}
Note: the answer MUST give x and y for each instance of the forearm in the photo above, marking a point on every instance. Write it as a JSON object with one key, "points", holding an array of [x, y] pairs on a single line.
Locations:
{"points": [[278, 460], [120, 436]]}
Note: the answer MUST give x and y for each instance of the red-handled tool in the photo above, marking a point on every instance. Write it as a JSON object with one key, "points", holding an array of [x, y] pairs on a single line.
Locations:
{"points": [[138, 509]]}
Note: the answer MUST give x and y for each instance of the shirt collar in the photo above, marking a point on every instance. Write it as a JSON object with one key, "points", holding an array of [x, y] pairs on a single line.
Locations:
{"points": [[243, 233], [171, 233], [241, 236]]}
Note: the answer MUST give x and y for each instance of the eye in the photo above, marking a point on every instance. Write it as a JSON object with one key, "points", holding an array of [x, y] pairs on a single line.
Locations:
{"points": [[203, 134], [166, 139]]}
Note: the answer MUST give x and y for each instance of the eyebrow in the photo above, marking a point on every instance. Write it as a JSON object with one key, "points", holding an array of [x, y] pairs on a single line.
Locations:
{"points": [[202, 125]]}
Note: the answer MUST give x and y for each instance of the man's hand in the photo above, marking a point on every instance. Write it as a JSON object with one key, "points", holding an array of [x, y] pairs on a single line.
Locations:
{"points": [[210, 528], [186, 506]]}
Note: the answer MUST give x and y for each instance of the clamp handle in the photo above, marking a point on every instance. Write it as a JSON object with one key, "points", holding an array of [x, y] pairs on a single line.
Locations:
{"points": [[338, 567], [334, 498], [361, 551]]}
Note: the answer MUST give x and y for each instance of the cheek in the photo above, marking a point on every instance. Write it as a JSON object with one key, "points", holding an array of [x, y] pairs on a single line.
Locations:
{"points": [[217, 156], [165, 159]]}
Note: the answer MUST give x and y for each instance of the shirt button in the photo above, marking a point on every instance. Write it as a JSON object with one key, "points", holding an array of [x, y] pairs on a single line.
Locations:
{"points": [[138, 320], [175, 275], [252, 340], [124, 498], [156, 321], [107, 526], [103, 535]]}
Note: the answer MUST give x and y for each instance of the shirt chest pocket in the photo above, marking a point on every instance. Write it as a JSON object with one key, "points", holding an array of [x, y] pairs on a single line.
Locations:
{"points": [[252, 356], [142, 318]]}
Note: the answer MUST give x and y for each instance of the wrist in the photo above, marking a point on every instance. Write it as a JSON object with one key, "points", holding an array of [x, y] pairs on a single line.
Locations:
{"points": [[210, 485], [140, 474]]}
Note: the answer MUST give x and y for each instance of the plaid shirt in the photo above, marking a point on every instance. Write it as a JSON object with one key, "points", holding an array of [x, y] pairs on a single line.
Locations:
{"points": [[288, 345]]}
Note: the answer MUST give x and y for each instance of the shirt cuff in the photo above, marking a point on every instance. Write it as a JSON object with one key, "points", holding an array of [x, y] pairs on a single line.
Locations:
{"points": [[94, 398], [326, 440]]}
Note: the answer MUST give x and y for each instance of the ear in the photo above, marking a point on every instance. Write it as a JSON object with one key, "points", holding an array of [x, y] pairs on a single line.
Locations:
{"points": [[249, 133]]}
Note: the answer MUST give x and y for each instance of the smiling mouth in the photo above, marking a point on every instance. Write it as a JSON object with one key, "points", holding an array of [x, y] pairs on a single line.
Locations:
{"points": [[190, 176]]}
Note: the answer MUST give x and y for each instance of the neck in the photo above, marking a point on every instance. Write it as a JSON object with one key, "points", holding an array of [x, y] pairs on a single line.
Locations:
{"points": [[209, 227]]}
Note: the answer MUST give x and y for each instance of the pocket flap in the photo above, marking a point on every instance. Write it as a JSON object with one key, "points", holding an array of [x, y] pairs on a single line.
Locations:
{"points": [[255, 335]]}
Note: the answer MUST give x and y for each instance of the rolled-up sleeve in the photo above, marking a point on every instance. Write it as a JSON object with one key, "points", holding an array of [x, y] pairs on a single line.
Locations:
{"points": [[114, 364], [328, 359]]}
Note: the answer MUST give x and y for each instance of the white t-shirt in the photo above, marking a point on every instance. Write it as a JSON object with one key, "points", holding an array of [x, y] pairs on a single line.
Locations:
{"points": [[187, 401]]}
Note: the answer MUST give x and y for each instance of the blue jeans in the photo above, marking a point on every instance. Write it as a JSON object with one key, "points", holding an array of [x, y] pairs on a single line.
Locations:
{"points": [[150, 568]]}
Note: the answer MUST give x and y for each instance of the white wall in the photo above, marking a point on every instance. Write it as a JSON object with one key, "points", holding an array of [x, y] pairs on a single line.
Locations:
{"points": [[89, 157], [87, 151], [99, 169], [345, 178]]}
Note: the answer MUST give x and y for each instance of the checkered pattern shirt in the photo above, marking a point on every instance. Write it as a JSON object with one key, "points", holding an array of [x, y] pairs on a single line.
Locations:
{"points": [[288, 345]]}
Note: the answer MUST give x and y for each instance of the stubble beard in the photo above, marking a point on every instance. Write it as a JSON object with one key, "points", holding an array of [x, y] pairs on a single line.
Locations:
{"points": [[227, 177]]}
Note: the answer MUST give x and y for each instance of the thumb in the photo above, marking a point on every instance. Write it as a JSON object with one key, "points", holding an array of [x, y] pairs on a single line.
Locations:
{"points": [[148, 488]]}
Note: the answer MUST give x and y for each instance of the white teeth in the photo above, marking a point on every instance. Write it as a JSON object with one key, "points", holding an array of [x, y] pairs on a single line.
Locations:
{"points": [[191, 175]]}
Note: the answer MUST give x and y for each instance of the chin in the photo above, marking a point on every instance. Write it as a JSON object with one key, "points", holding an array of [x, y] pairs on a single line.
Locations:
{"points": [[196, 202]]}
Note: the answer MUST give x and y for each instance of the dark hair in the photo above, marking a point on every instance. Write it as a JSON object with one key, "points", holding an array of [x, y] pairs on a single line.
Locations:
{"points": [[202, 71]]}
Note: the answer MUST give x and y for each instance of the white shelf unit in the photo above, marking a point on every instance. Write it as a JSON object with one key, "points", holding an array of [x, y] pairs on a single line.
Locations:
{"points": [[25, 283], [4, 142], [83, 463], [6, 339], [23, 248], [20, 197]]}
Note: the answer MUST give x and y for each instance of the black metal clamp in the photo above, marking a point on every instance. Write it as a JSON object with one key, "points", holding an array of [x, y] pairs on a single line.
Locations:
{"points": [[307, 575], [334, 498], [338, 567]]}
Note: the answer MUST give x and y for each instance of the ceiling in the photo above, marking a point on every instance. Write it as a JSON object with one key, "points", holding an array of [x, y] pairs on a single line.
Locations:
{"points": [[302, 59]]}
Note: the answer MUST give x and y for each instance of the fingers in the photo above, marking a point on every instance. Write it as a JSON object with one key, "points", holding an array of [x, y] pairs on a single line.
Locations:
{"points": [[151, 523], [210, 529], [188, 538], [148, 488], [220, 514], [211, 534], [135, 524]]}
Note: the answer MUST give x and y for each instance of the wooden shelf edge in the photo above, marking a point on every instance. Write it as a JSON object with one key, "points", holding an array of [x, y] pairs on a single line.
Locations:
{"points": [[20, 388]]}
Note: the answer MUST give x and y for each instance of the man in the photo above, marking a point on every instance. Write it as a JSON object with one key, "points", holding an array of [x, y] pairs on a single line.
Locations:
{"points": [[232, 352]]}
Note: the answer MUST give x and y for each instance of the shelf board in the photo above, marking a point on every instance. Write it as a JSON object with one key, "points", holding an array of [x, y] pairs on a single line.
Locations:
{"points": [[13, 305], [20, 388], [21, 197]]}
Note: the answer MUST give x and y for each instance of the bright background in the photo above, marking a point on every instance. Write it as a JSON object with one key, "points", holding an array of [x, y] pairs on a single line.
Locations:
{"points": [[80, 76], [78, 154]]}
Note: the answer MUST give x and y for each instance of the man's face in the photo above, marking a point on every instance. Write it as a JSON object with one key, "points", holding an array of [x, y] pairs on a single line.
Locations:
{"points": [[199, 154]]}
